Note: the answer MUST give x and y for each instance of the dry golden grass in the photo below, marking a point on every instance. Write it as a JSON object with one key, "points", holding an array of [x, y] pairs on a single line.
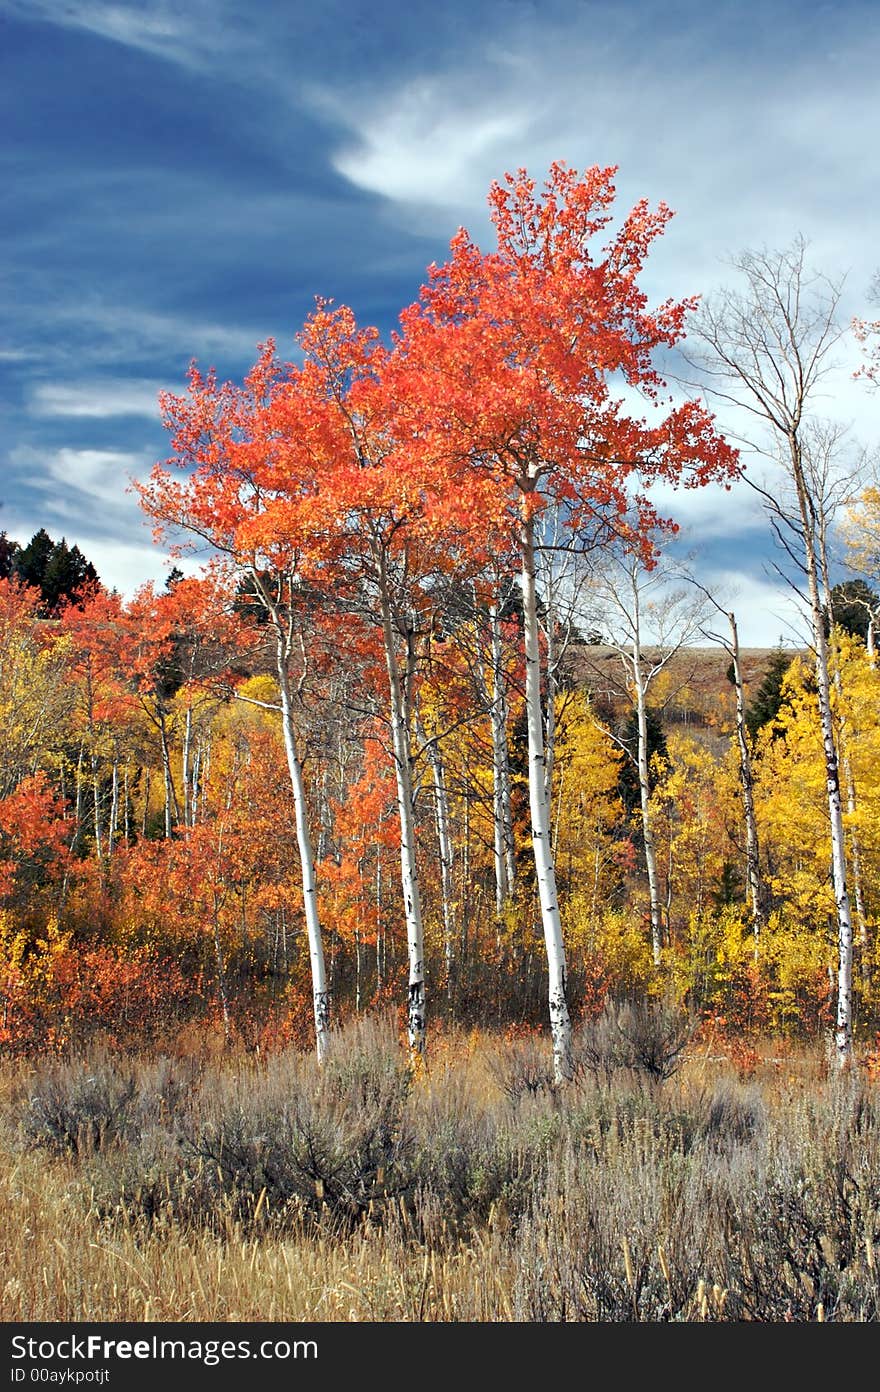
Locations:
{"points": [[61, 1263], [707, 1198]]}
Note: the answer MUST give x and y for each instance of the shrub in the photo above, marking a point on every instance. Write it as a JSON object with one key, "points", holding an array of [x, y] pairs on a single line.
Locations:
{"points": [[81, 1107], [646, 1035]]}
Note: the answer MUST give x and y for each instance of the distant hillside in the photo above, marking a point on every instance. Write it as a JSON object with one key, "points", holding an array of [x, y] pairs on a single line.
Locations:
{"points": [[693, 687]]}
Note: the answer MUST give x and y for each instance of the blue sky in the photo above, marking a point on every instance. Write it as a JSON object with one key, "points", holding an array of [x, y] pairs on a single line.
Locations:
{"points": [[182, 179]]}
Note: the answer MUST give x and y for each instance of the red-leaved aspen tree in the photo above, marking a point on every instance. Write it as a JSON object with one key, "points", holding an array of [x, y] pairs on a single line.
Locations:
{"points": [[521, 353], [223, 443]]}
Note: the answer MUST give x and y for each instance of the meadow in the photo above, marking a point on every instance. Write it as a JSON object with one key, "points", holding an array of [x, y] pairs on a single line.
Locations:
{"points": [[666, 1182]]}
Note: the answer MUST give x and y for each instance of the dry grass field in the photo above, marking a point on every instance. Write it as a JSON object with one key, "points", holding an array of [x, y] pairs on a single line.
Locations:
{"points": [[662, 1185]]}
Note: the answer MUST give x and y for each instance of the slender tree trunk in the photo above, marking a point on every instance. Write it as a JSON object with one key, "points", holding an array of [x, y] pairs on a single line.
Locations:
{"points": [[172, 813], [465, 882], [645, 801], [78, 811], [444, 843], [855, 849], [126, 807], [380, 934], [550, 710], [196, 774], [96, 802], [843, 1031], [204, 779], [505, 865], [114, 808], [747, 789], [323, 816], [357, 970], [848, 776], [400, 691], [320, 993], [186, 768], [560, 1021]]}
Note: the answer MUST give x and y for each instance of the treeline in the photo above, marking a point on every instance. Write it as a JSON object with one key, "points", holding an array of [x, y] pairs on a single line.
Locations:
{"points": [[149, 871]]}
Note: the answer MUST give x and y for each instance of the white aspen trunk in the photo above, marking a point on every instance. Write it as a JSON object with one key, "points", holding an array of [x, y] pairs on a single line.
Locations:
{"points": [[560, 1020], [753, 863], [380, 936], [597, 865], [843, 1030], [856, 857], [78, 812], [505, 865], [357, 970], [848, 776], [126, 808], [558, 818], [444, 844], [186, 768], [146, 804], [401, 738], [114, 808], [196, 773], [645, 801], [320, 994], [465, 881], [550, 714], [851, 805], [96, 799], [323, 816], [171, 810], [204, 779]]}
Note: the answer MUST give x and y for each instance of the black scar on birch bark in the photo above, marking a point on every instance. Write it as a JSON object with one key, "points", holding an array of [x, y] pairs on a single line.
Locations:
{"points": [[416, 1008], [322, 1010]]}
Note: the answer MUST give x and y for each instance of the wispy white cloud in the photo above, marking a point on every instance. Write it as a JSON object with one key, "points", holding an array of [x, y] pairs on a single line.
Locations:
{"points": [[74, 480], [97, 399], [428, 144], [155, 28], [747, 147], [128, 332]]}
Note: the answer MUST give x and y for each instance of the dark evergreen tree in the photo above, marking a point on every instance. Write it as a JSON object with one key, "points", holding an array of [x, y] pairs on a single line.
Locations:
{"points": [[60, 572], [767, 700], [9, 549], [628, 734], [31, 560], [67, 576], [852, 604]]}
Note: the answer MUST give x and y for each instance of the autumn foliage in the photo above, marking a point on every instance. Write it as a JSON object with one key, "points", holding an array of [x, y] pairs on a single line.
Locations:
{"points": [[331, 688]]}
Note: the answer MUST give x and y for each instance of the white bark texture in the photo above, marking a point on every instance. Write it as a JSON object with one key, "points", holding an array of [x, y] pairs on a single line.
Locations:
{"points": [[753, 863], [843, 1031], [409, 875], [645, 802], [560, 1021], [447, 854], [505, 869], [320, 993]]}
